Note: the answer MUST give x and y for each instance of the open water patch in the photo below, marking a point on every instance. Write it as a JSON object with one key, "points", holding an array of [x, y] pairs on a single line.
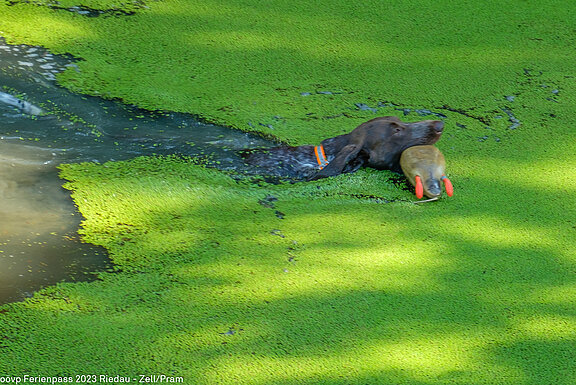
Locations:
{"points": [[43, 125]]}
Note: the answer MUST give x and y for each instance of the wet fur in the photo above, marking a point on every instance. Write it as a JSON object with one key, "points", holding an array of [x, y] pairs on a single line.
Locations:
{"points": [[377, 143]]}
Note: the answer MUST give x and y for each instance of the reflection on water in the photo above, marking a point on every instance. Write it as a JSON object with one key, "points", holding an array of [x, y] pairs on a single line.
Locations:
{"points": [[38, 242], [43, 125]]}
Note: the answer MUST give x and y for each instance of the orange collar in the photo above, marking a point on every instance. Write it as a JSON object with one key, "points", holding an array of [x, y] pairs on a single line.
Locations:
{"points": [[320, 156]]}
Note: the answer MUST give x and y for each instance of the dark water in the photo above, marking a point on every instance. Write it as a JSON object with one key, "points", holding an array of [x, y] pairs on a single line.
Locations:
{"points": [[42, 126]]}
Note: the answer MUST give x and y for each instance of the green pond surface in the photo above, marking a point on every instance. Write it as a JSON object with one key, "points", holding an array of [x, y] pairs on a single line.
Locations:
{"points": [[218, 279]]}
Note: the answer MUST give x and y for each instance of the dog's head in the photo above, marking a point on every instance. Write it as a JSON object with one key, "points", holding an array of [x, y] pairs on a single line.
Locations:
{"points": [[385, 138]]}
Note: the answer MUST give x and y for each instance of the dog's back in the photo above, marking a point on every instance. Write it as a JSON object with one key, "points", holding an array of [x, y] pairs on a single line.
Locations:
{"points": [[283, 161]]}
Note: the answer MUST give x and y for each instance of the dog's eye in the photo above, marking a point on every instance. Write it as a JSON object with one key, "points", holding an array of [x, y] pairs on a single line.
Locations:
{"points": [[396, 128]]}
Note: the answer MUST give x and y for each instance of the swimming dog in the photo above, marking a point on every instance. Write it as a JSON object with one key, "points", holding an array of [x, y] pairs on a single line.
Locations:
{"points": [[377, 143]]}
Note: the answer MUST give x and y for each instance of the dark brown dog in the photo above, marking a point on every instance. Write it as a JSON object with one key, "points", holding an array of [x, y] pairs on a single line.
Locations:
{"points": [[377, 143]]}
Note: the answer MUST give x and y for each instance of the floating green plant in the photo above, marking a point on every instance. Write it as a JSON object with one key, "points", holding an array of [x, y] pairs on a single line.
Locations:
{"points": [[340, 281]]}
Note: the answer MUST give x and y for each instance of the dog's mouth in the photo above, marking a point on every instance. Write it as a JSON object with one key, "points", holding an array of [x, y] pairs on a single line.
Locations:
{"points": [[431, 138], [435, 133], [428, 132], [436, 130], [434, 137]]}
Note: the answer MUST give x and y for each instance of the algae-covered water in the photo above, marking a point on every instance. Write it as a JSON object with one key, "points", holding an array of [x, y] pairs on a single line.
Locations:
{"points": [[43, 125], [221, 282]]}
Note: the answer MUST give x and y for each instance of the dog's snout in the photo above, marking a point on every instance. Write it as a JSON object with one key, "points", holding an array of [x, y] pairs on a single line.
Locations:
{"points": [[437, 125]]}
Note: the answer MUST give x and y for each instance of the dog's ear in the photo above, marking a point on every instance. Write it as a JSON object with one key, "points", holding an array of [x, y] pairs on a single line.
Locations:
{"points": [[356, 162], [340, 162]]}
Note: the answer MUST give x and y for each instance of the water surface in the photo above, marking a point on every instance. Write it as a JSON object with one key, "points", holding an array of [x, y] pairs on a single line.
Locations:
{"points": [[43, 125]]}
